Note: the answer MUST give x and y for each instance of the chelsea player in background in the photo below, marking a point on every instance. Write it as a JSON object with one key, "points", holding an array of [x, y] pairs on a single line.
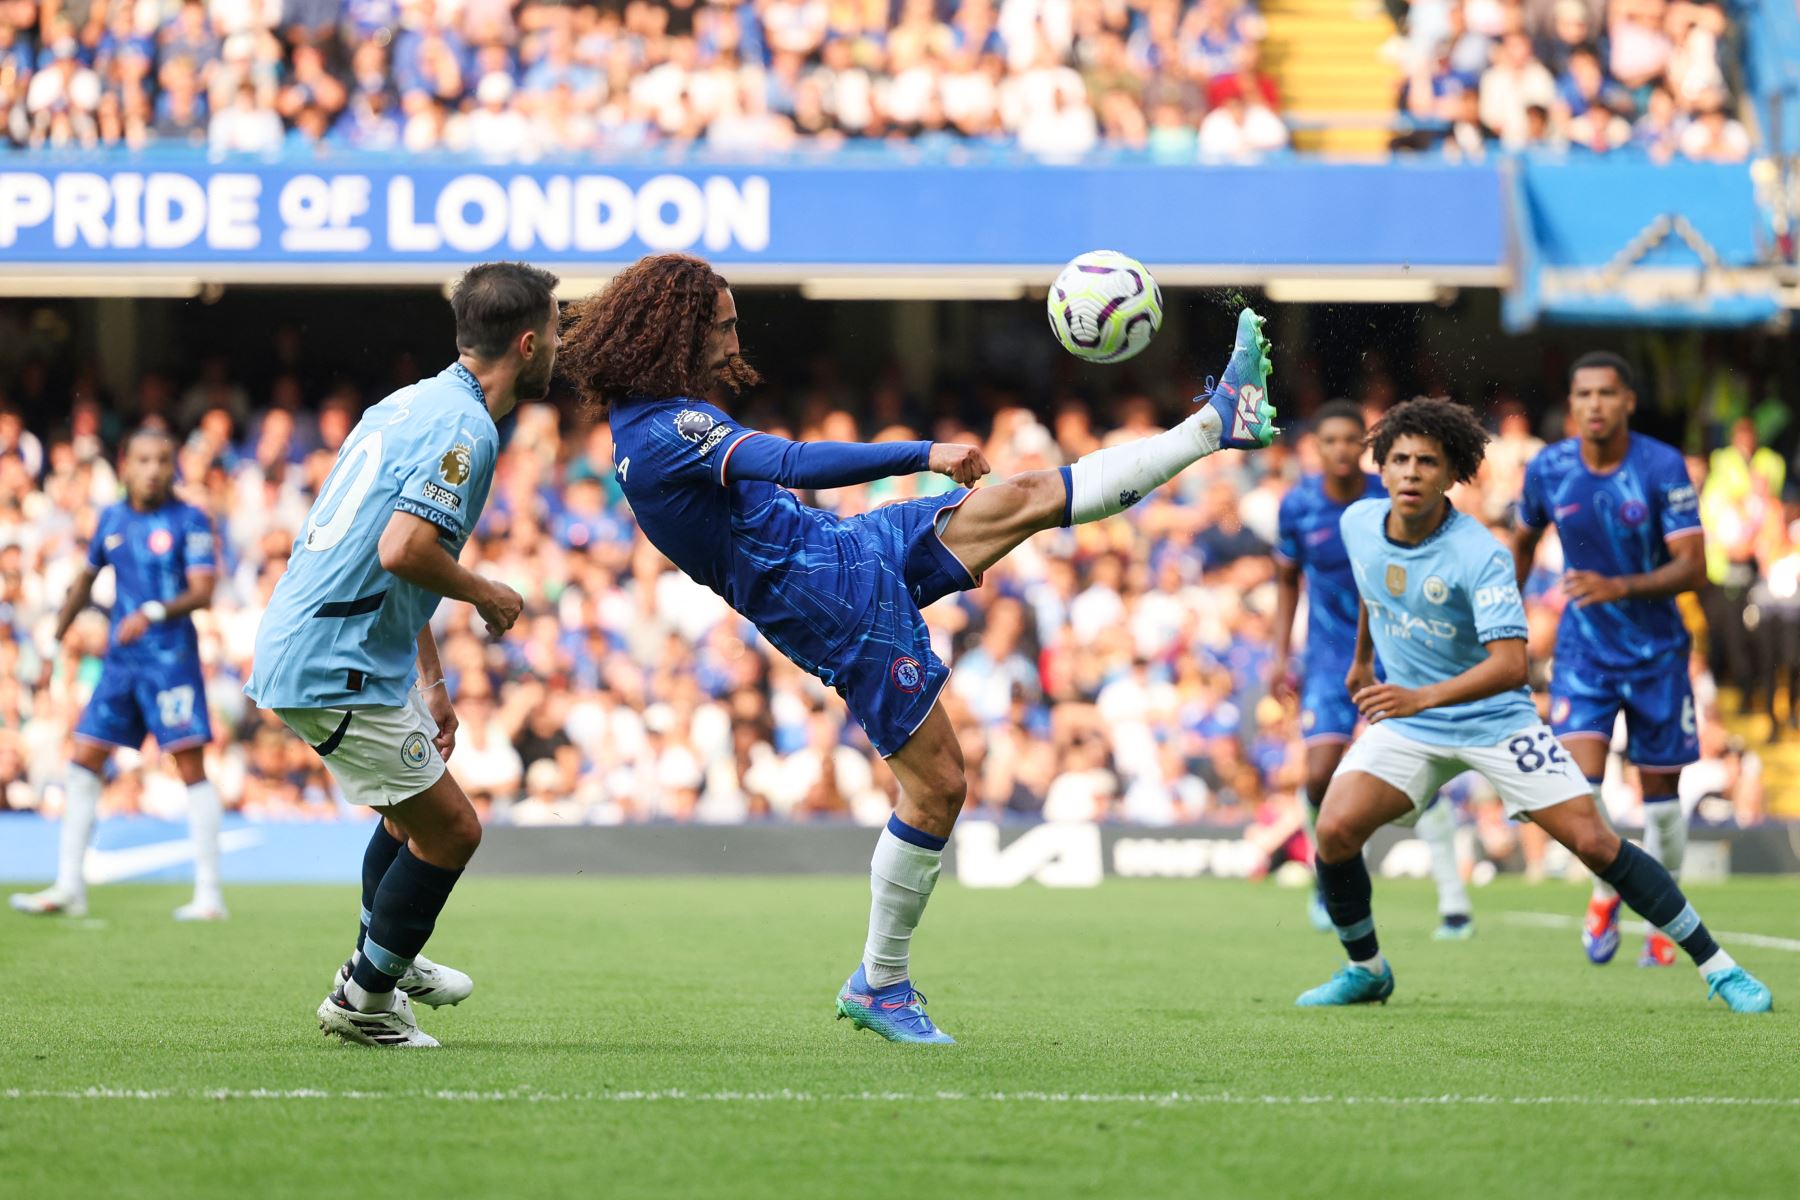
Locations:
{"points": [[161, 553], [1441, 605], [345, 654], [1310, 543], [1629, 522]]}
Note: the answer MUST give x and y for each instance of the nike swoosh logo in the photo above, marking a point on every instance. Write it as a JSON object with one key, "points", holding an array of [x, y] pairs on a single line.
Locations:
{"points": [[111, 866]]}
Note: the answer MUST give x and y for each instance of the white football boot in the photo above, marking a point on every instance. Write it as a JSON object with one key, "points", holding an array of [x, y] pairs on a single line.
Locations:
{"points": [[396, 1027], [209, 909], [425, 981], [49, 902]]}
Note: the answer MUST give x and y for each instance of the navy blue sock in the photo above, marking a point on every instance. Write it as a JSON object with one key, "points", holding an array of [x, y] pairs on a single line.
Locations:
{"points": [[1652, 893], [407, 904], [1346, 889], [377, 858]]}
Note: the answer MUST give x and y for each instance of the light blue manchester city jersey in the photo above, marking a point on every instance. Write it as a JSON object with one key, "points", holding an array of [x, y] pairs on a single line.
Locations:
{"points": [[1432, 608], [341, 632]]}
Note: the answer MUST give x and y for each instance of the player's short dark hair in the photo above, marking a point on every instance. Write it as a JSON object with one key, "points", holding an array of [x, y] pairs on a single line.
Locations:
{"points": [[1445, 422], [1340, 410], [155, 430], [496, 302], [1605, 358]]}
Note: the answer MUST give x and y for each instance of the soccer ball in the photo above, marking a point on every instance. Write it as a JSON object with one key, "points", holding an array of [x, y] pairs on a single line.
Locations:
{"points": [[1105, 307]]}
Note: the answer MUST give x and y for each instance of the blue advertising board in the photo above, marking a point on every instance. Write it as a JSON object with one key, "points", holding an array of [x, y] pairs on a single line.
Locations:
{"points": [[192, 213]]}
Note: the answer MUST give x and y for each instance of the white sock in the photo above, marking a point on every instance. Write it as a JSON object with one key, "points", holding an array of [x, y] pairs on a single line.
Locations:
{"points": [[1373, 966], [1666, 833], [1604, 892], [81, 801], [366, 1001], [1718, 962], [901, 876], [203, 826], [1110, 481], [1437, 826]]}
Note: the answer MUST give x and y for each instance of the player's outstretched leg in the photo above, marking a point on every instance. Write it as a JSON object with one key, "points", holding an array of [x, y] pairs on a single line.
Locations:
{"points": [[1356, 806], [1437, 829], [1652, 893], [81, 801], [425, 981], [1235, 414], [879, 994], [204, 818], [442, 834]]}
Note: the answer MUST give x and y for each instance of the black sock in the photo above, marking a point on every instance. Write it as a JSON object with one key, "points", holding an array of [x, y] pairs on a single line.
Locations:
{"points": [[1346, 889], [407, 904], [1652, 893], [377, 858]]}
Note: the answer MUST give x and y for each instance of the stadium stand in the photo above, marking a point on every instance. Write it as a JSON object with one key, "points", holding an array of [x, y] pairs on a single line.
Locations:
{"points": [[1053, 78]]}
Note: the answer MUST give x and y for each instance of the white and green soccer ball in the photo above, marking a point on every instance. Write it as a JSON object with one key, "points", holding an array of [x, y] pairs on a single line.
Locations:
{"points": [[1105, 307]]}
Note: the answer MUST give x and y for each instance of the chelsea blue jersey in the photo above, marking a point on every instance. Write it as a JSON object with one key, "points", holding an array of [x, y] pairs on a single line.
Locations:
{"points": [[1618, 523], [151, 554], [1432, 609], [1309, 537], [340, 631], [775, 560]]}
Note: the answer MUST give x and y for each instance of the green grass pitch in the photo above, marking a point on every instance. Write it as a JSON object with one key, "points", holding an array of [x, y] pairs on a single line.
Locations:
{"points": [[674, 1037]]}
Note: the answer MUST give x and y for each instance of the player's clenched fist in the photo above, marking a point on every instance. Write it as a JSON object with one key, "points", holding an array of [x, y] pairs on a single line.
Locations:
{"points": [[499, 607], [965, 464]]}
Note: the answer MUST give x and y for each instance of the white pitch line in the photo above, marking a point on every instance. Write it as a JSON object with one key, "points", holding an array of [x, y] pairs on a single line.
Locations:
{"points": [[787, 1096], [1546, 920]]}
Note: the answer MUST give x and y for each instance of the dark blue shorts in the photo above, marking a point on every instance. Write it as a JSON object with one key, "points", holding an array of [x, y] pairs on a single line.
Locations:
{"points": [[1660, 729], [128, 702], [887, 673]]}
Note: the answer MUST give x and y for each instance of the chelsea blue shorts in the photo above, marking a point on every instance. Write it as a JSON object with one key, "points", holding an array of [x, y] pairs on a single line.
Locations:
{"points": [[1660, 728], [886, 671], [128, 702]]}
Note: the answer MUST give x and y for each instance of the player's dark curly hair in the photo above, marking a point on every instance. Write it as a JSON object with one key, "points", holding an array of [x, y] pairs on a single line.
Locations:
{"points": [[644, 334], [1445, 422]]}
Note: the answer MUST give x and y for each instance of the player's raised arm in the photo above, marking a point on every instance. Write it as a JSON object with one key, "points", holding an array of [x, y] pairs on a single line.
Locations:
{"points": [[409, 549], [777, 460]]}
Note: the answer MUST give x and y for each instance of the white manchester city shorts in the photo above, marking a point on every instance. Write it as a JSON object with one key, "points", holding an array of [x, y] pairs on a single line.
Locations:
{"points": [[1530, 770], [379, 756]]}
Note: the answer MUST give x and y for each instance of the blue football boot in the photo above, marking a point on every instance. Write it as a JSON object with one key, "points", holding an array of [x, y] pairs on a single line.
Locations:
{"points": [[1741, 991], [1351, 985], [1600, 932], [1319, 915], [896, 1012], [1241, 400]]}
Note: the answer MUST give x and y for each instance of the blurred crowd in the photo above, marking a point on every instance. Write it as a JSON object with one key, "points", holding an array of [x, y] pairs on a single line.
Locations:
{"points": [[1117, 670], [517, 78], [1589, 75]]}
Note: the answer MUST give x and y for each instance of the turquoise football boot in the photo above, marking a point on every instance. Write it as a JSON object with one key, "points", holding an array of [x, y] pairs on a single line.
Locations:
{"points": [[1241, 401], [896, 1012], [1351, 985], [1741, 991]]}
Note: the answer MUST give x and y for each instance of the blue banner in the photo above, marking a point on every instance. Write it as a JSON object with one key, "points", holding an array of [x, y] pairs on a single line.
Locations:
{"points": [[1633, 243], [187, 212]]}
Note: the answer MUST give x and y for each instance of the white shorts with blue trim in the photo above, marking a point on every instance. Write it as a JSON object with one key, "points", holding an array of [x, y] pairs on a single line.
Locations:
{"points": [[1530, 770], [378, 756]]}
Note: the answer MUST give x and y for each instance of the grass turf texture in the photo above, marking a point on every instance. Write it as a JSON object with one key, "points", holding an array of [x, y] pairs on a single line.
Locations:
{"points": [[590, 989]]}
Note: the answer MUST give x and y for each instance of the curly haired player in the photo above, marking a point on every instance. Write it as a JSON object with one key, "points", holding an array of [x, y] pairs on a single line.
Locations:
{"points": [[1440, 603], [841, 598]]}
